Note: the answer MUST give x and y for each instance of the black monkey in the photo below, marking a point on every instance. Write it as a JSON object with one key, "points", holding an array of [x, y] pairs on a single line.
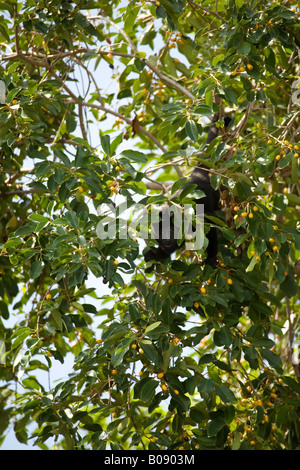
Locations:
{"points": [[201, 178]]}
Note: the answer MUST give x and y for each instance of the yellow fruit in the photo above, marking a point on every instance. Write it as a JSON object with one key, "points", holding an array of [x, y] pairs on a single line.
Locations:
{"points": [[255, 208], [114, 372], [196, 304], [229, 281], [249, 66], [278, 157], [176, 392], [242, 69], [244, 214], [233, 73], [250, 215], [170, 280], [275, 248], [49, 354], [176, 341], [80, 189], [114, 414], [99, 341], [253, 252], [134, 346], [48, 296], [160, 375], [109, 56], [51, 120], [141, 350], [116, 262], [203, 290], [164, 387]]}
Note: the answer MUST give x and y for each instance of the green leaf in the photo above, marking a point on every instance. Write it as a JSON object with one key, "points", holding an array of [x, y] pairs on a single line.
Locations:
{"points": [[115, 143], [166, 311], [12, 94], [121, 350], [223, 337], [230, 96], [271, 357], [283, 162], [215, 426], [203, 110], [244, 48], [72, 219], [40, 220], [105, 143], [206, 386], [21, 334], [36, 269], [42, 169], [149, 351], [60, 154], [4, 312], [71, 123], [152, 327], [130, 17], [191, 130], [82, 21], [243, 189], [178, 184], [135, 156]]}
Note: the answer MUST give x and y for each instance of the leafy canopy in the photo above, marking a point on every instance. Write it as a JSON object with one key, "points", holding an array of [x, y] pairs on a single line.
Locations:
{"points": [[108, 100]]}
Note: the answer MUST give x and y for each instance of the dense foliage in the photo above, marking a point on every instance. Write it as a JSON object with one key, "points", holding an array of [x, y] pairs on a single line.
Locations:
{"points": [[107, 101]]}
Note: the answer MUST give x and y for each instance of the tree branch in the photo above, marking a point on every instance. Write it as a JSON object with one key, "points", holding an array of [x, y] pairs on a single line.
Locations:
{"points": [[211, 12]]}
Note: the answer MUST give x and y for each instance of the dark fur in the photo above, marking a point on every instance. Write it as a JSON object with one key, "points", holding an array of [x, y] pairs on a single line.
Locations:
{"points": [[200, 177]]}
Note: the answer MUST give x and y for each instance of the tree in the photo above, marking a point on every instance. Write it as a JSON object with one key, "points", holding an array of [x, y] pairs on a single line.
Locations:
{"points": [[181, 356]]}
